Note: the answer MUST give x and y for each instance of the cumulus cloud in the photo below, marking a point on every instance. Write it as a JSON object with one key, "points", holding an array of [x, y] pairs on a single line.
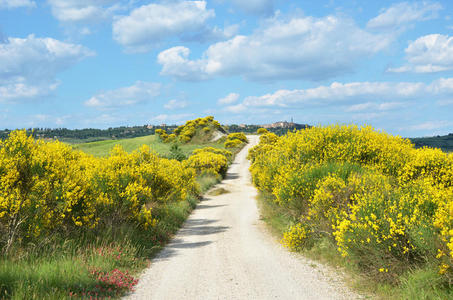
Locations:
{"points": [[131, 95], [18, 89], [28, 66], [257, 7], [149, 25], [371, 106], [176, 104], [430, 125], [174, 118], [427, 54], [400, 15], [229, 99], [17, 3], [293, 48], [82, 10], [381, 96]]}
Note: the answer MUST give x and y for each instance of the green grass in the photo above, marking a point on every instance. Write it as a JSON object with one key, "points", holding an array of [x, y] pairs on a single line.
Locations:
{"points": [[102, 148], [66, 268]]}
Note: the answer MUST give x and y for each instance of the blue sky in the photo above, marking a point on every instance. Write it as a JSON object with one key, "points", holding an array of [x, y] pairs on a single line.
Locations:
{"points": [[102, 63]]}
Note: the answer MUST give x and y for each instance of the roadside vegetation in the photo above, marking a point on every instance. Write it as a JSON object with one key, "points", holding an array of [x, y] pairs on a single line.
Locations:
{"points": [[76, 225], [364, 200], [103, 148]]}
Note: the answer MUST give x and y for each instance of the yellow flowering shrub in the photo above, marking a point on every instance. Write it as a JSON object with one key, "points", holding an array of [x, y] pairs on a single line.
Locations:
{"points": [[330, 197], [162, 134], [206, 125], [431, 163], [237, 136], [223, 152], [262, 131], [297, 237], [233, 143], [384, 203], [48, 188], [208, 160], [235, 140], [42, 189]]}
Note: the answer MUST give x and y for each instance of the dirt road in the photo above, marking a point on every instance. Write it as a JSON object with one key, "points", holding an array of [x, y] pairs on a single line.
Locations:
{"points": [[224, 252]]}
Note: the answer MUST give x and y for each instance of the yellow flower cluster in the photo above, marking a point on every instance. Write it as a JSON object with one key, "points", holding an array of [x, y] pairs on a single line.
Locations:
{"points": [[47, 187], [209, 160], [297, 237], [382, 201], [186, 132], [235, 140], [262, 131]]}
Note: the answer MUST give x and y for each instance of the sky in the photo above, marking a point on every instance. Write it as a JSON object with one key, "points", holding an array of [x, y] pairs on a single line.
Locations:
{"points": [[103, 63]]}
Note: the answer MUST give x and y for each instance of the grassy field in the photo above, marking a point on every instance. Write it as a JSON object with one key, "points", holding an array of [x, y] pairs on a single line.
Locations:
{"points": [[102, 148]]}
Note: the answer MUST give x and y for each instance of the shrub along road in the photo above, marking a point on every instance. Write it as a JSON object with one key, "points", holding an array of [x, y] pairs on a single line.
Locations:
{"points": [[224, 252]]}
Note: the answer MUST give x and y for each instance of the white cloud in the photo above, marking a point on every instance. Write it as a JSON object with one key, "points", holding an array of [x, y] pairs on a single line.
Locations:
{"points": [[176, 104], [17, 3], [431, 125], [174, 118], [238, 108], [258, 7], [149, 25], [400, 15], [367, 106], [131, 95], [380, 96], [28, 66], [229, 99], [82, 10], [427, 54], [18, 89], [295, 48]]}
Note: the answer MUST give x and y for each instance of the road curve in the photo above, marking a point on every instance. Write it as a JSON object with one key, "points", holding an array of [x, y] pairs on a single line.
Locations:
{"points": [[224, 252]]}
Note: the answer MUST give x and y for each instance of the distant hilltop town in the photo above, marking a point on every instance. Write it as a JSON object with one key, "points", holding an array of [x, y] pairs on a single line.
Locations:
{"points": [[285, 124], [275, 125]]}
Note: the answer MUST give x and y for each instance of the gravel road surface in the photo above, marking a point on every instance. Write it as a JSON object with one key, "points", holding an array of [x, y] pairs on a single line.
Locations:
{"points": [[224, 252]]}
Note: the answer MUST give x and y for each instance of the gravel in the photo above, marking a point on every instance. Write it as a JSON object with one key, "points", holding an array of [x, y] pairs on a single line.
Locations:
{"points": [[224, 252]]}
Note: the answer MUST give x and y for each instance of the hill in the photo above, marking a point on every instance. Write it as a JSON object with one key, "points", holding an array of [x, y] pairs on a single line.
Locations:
{"points": [[444, 142], [102, 148]]}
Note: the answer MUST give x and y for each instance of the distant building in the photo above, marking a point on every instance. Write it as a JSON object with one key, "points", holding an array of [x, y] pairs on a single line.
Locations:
{"points": [[242, 125], [150, 126], [281, 124], [284, 124], [163, 125]]}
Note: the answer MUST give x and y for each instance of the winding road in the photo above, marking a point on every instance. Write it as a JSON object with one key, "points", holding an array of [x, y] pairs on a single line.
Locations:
{"points": [[224, 252]]}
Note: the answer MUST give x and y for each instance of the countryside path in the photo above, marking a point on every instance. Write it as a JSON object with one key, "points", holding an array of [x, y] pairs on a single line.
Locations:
{"points": [[224, 252]]}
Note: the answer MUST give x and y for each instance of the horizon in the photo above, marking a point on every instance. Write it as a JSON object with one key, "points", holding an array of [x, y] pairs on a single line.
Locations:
{"points": [[100, 64]]}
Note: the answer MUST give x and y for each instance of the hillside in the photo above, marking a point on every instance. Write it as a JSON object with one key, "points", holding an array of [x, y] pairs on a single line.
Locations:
{"points": [[444, 142], [102, 148], [85, 135]]}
